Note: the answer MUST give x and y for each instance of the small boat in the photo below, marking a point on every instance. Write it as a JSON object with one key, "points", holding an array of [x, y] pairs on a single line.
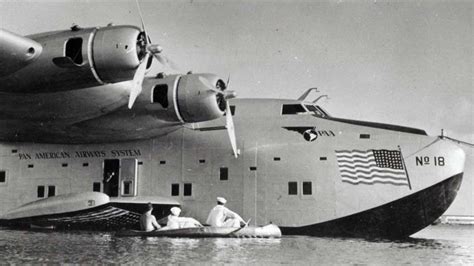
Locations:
{"points": [[267, 231]]}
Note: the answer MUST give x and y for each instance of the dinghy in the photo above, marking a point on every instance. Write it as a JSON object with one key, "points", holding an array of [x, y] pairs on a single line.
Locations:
{"points": [[267, 231]]}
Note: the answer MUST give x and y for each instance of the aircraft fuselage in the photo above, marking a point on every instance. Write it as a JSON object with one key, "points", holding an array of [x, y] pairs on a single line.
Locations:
{"points": [[290, 171]]}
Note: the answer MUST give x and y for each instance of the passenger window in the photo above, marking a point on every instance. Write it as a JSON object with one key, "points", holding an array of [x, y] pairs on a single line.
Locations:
{"points": [[96, 187], [3, 176], [188, 189], [292, 188], [224, 173], [160, 95], [307, 188], [174, 189], [127, 185], [292, 109], [51, 191], [40, 192], [74, 50]]}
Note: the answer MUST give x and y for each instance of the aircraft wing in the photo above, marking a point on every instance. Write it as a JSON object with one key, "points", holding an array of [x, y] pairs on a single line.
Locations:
{"points": [[73, 86], [16, 52]]}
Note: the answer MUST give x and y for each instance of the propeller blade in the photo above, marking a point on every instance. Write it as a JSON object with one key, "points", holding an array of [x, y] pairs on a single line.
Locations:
{"points": [[143, 23], [138, 81], [231, 130]]}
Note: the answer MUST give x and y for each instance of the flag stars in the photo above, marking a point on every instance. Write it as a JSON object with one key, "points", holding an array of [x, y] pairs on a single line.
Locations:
{"points": [[388, 159]]}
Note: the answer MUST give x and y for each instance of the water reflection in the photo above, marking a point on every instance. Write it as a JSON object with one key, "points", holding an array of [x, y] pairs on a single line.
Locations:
{"points": [[437, 246]]}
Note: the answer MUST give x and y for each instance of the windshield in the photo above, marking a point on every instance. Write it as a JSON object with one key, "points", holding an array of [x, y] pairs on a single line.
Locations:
{"points": [[316, 110]]}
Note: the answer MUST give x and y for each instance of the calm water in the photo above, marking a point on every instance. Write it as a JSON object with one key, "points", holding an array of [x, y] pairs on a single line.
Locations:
{"points": [[440, 244]]}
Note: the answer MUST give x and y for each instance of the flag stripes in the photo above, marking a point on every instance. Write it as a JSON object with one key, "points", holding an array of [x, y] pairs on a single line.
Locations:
{"points": [[371, 166]]}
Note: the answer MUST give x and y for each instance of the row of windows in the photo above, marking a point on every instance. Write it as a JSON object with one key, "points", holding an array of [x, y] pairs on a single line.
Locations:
{"points": [[201, 161], [307, 187], [41, 191], [66, 165], [187, 189], [223, 171], [295, 109]]}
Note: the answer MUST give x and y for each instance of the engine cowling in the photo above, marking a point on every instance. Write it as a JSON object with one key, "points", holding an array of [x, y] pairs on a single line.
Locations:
{"points": [[117, 52], [73, 59], [187, 99]]}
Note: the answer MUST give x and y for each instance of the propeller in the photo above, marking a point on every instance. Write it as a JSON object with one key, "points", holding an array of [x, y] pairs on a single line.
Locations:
{"points": [[229, 125], [138, 81], [222, 96], [227, 94], [148, 48]]}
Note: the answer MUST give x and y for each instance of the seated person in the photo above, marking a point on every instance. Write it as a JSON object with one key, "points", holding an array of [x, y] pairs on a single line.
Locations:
{"points": [[176, 222], [148, 221], [221, 216]]}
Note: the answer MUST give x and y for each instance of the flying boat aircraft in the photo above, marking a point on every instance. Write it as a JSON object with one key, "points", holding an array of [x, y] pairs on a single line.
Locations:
{"points": [[87, 140]]}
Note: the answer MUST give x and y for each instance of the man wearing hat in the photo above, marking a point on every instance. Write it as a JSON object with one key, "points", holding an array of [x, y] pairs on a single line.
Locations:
{"points": [[221, 216], [176, 222], [148, 221]]}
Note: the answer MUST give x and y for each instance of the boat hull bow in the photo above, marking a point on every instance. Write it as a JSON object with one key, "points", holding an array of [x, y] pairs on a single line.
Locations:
{"points": [[394, 220]]}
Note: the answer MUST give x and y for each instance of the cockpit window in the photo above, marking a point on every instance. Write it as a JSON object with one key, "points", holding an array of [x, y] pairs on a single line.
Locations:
{"points": [[315, 110], [311, 108], [292, 109], [321, 112]]}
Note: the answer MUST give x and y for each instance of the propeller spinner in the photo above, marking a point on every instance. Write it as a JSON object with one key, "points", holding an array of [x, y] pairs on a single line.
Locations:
{"points": [[222, 96]]}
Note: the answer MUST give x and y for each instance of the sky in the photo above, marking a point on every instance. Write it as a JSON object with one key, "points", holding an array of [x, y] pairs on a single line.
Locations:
{"points": [[401, 62]]}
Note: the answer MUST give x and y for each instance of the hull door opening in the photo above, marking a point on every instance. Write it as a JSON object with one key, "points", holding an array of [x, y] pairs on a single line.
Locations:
{"points": [[111, 171]]}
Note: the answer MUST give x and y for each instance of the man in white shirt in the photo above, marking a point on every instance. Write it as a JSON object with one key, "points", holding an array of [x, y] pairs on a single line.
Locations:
{"points": [[148, 221], [176, 222], [221, 216]]}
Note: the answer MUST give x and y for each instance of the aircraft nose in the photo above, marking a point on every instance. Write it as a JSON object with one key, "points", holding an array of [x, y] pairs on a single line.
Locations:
{"points": [[455, 157], [435, 163]]}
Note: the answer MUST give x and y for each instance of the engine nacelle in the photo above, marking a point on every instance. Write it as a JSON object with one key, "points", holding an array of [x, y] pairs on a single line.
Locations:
{"points": [[187, 99], [116, 53], [75, 59]]}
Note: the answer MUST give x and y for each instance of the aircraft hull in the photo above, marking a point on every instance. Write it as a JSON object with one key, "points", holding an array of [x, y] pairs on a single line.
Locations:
{"points": [[280, 177], [398, 219]]}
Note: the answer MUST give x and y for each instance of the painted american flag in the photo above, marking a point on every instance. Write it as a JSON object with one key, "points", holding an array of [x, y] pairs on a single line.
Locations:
{"points": [[372, 166]]}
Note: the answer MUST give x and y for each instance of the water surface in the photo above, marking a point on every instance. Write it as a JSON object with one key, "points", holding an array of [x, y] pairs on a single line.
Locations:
{"points": [[441, 244]]}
